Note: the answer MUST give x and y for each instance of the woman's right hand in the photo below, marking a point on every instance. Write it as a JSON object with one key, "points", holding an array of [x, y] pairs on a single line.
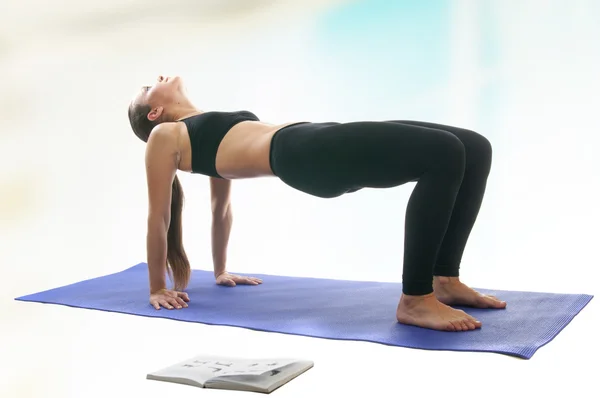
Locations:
{"points": [[169, 299]]}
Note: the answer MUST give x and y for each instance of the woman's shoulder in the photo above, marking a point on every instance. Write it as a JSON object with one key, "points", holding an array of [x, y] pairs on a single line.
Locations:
{"points": [[164, 138], [165, 132], [164, 129]]}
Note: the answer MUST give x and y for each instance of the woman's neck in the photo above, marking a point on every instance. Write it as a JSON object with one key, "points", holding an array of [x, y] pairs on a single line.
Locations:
{"points": [[185, 112], [183, 109]]}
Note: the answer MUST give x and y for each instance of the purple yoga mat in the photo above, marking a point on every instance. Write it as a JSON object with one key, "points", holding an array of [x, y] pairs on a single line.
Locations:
{"points": [[326, 308]]}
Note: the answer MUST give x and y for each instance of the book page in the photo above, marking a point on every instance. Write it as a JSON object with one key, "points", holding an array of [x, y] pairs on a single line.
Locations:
{"points": [[251, 367], [198, 371], [203, 368], [263, 382]]}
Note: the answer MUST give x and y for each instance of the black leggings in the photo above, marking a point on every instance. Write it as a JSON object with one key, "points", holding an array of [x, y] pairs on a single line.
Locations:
{"points": [[451, 167]]}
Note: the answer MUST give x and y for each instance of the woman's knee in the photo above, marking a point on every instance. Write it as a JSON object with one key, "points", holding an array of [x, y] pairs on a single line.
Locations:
{"points": [[445, 159], [449, 152], [479, 148]]}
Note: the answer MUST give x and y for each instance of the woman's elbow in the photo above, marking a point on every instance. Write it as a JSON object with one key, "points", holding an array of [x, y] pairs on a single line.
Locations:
{"points": [[221, 211]]}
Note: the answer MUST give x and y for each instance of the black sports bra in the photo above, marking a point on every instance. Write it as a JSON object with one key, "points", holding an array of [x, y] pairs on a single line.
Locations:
{"points": [[206, 132]]}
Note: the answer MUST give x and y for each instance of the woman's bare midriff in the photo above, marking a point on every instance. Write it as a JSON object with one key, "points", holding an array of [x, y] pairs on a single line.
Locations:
{"points": [[243, 152]]}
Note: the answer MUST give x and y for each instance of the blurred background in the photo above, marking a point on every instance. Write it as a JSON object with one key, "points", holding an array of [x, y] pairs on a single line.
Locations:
{"points": [[523, 73]]}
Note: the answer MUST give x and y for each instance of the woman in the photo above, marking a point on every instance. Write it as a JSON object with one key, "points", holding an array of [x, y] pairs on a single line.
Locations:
{"points": [[450, 165]]}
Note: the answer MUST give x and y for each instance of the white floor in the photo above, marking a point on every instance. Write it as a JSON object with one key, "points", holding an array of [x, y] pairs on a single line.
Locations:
{"points": [[72, 206]]}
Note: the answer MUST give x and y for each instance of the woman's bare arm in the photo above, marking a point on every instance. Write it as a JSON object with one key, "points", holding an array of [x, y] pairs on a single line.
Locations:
{"points": [[222, 220], [161, 166]]}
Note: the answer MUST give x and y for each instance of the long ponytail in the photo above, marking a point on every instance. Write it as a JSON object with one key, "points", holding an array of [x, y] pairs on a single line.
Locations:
{"points": [[177, 260]]}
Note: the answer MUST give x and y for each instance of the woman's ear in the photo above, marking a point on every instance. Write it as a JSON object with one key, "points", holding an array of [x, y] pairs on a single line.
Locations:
{"points": [[155, 113]]}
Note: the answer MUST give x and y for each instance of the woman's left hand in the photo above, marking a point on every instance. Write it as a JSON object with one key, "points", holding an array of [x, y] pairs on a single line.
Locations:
{"points": [[227, 279]]}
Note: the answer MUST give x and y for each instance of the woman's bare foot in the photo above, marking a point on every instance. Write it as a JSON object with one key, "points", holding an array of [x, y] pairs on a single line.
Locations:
{"points": [[428, 312], [451, 291]]}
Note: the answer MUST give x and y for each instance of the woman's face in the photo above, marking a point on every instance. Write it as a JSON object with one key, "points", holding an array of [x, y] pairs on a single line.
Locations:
{"points": [[165, 92]]}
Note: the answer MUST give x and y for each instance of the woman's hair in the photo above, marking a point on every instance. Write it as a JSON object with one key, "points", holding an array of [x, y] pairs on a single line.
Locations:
{"points": [[178, 264]]}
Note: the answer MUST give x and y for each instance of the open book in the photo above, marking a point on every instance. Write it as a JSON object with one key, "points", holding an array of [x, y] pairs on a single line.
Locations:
{"points": [[255, 375]]}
